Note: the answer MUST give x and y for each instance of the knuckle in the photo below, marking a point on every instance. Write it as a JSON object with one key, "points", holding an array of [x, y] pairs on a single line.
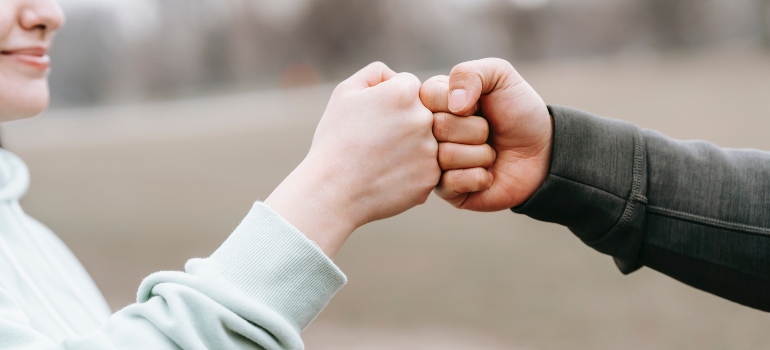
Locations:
{"points": [[445, 186], [434, 82], [377, 65], [426, 94], [452, 178], [462, 72], [469, 180], [407, 89], [462, 68], [411, 78], [442, 127], [505, 71], [482, 128], [412, 84], [490, 155], [434, 93], [446, 154], [420, 119], [425, 117], [479, 178], [431, 148], [500, 62], [462, 181]]}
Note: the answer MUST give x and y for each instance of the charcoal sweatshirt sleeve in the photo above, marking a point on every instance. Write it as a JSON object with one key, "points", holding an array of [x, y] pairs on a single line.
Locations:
{"points": [[689, 209]]}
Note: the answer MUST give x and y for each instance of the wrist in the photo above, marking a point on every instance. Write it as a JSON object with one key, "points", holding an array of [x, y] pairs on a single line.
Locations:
{"points": [[541, 164], [309, 200], [545, 156]]}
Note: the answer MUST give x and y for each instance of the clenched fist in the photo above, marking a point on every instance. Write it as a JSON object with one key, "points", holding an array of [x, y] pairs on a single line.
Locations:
{"points": [[373, 156], [494, 165]]}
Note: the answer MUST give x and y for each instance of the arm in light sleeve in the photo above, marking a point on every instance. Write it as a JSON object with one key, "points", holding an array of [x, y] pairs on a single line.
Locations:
{"points": [[258, 290]]}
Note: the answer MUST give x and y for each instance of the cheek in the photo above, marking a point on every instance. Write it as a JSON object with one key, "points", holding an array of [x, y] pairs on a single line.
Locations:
{"points": [[21, 97], [7, 19], [21, 94]]}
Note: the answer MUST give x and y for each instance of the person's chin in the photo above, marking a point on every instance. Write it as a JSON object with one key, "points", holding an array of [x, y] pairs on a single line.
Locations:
{"points": [[24, 99]]}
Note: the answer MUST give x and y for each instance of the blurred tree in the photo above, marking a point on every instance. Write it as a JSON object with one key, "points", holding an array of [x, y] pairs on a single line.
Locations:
{"points": [[122, 51], [677, 23], [260, 49], [252, 54], [339, 34], [527, 25], [83, 51], [764, 19]]}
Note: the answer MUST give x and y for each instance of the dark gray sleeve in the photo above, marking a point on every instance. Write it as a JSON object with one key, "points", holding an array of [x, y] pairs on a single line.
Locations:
{"points": [[689, 209]]}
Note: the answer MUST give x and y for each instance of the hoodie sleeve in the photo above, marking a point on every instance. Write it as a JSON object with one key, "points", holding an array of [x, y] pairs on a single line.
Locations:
{"points": [[258, 290], [694, 211]]}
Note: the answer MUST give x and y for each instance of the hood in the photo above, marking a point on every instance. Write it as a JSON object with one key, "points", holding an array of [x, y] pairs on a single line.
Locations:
{"points": [[14, 177]]}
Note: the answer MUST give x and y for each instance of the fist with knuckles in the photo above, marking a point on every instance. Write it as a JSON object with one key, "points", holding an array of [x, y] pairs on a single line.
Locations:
{"points": [[493, 162], [373, 156], [480, 138]]}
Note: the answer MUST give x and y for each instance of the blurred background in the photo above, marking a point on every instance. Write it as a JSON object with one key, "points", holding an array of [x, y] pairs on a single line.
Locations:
{"points": [[170, 117]]}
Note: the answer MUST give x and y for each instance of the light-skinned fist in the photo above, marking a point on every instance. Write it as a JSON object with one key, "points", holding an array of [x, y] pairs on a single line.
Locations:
{"points": [[373, 156], [519, 130]]}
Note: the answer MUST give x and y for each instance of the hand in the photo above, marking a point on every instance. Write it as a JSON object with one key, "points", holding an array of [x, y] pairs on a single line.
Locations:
{"points": [[520, 134], [373, 156]]}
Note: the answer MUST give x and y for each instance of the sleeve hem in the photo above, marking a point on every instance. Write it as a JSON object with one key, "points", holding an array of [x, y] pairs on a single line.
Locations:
{"points": [[271, 261], [596, 183]]}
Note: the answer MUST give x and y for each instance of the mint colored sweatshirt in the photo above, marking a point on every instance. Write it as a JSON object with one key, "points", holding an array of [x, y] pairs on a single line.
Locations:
{"points": [[257, 291]]}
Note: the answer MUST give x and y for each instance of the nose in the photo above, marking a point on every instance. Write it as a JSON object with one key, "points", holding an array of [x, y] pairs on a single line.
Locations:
{"points": [[44, 15]]}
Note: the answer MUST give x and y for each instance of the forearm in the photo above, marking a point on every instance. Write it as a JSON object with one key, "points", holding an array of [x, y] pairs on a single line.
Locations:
{"points": [[688, 209], [708, 218], [308, 200], [373, 156]]}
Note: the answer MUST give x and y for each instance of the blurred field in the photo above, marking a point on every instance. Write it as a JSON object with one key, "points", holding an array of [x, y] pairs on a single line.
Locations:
{"points": [[135, 189]]}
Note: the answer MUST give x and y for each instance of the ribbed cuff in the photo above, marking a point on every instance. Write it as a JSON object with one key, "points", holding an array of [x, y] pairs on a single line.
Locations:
{"points": [[272, 262], [596, 183]]}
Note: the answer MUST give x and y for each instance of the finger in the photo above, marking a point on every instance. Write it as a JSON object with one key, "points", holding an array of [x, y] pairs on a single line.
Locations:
{"points": [[456, 184], [448, 127], [458, 156], [434, 93], [405, 85], [371, 75], [469, 80]]}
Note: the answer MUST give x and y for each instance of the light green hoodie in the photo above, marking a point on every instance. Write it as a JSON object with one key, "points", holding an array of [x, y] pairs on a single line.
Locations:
{"points": [[257, 291]]}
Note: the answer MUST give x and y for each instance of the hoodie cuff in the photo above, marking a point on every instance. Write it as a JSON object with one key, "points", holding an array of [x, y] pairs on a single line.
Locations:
{"points": [[271, 261], [596, 183]]}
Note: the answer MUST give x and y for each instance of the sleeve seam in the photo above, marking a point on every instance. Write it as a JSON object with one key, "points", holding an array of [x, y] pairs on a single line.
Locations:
{"points": [[706, 221], [587, 185], [636, 180], [637, 176], [635, 196]]}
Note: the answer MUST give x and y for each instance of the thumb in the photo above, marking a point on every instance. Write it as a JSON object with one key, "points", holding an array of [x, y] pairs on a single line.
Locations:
{"points": [[371, 75], [469, 80]]}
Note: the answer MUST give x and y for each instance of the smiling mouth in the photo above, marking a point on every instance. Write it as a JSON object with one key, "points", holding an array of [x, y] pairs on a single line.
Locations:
{"points": [[32, 57]]}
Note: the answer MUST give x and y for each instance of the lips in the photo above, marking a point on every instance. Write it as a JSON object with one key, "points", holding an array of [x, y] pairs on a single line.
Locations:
{"points": [[35, 57]]}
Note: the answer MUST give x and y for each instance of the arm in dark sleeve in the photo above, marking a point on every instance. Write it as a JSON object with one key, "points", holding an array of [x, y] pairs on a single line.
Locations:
{"points": [[689, 209]]}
